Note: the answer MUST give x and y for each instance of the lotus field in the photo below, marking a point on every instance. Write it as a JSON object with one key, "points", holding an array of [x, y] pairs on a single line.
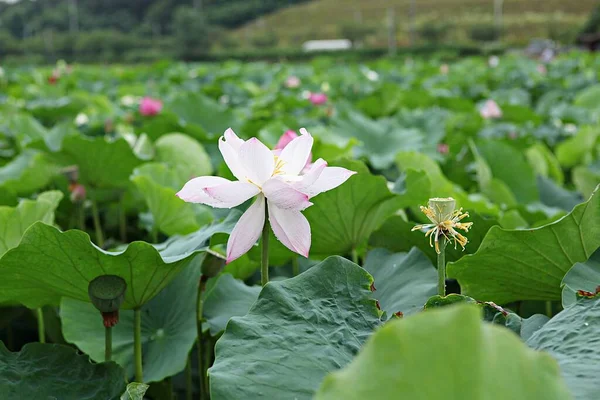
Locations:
{"points": [[397, 229]]}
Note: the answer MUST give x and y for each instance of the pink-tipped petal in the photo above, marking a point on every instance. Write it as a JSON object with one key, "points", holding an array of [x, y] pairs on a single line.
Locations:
{"points": [[230, 194], [257, 161], [284, 195], [232, 158], [285, 139], [291, 228], [330, 178], [296, 153], [247, 231], [193, 190], [311, 176], [232, 139]]}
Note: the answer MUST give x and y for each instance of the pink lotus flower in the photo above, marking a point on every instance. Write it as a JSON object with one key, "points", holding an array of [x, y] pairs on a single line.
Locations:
{"points": [[292, 82], [78, 192], [490, 110], [443, 148], [282, 191], [150, 106], [317, 98], [444, 69]]}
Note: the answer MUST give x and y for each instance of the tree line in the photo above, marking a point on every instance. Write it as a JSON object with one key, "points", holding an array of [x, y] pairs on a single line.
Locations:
{"points": [[89, 30]]}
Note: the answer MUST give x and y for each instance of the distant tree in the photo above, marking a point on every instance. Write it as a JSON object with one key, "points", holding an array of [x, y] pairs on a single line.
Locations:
{"points": [[192, 33]]}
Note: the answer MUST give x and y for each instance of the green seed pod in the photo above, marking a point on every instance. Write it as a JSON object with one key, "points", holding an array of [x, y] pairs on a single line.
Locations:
{"points": [[107, 292], [442, 207]]}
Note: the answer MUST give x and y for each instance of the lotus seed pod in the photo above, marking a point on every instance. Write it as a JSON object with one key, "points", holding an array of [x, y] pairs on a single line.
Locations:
{"points": [[107, 292], [442, 207]]}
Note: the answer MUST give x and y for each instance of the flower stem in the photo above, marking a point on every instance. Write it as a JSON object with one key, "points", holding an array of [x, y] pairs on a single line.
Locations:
{"points": [[549, 308], [189, 390], [107, 343], [264, 266], [122, 220], [441, 267], [81, 216], [295, 266], [137, 344], [200, 317], [97, 226], [41, 328], [355, 256]]}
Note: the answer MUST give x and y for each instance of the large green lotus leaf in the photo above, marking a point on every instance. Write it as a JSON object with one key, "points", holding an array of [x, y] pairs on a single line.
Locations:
{"points": [[62, 264], [572, 338], [493, 188], [441, 186], [577, 149], [170, 214], [27, 173], [229, 297], [135, 391], [54, 371], [197, 109], [298, 330], [588, 97], [382, 139], [396, 235], [585, 179], [344, 218], [583, 276], [446, 354], [553, 195], [169, 328], [403, 281], [183, 154], [530, 264], [101, 163], [23, 127], [544, 162], [519, 114], [509, 165], [15, 220]]}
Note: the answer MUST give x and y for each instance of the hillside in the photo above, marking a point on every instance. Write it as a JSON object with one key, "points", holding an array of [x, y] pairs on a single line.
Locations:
{"points": [[323, 19]]}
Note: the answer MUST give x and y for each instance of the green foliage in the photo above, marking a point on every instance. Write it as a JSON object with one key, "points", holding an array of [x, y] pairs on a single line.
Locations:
{"points": [[570, 337], [485, 33], [266, 39], [56, 371], [472, 360], [58, 272], [433, 31], [356, 32], [167, 337], [277, 327], [490, 273], [192, 33]]}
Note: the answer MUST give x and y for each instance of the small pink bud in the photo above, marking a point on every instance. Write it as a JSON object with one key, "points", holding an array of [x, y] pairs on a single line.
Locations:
{"points": [[150, 106], [78, 192], [317, 98], [443, 148], [541, 68], [444, 69], [490, 110], [292, 82], [285, 139]]}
